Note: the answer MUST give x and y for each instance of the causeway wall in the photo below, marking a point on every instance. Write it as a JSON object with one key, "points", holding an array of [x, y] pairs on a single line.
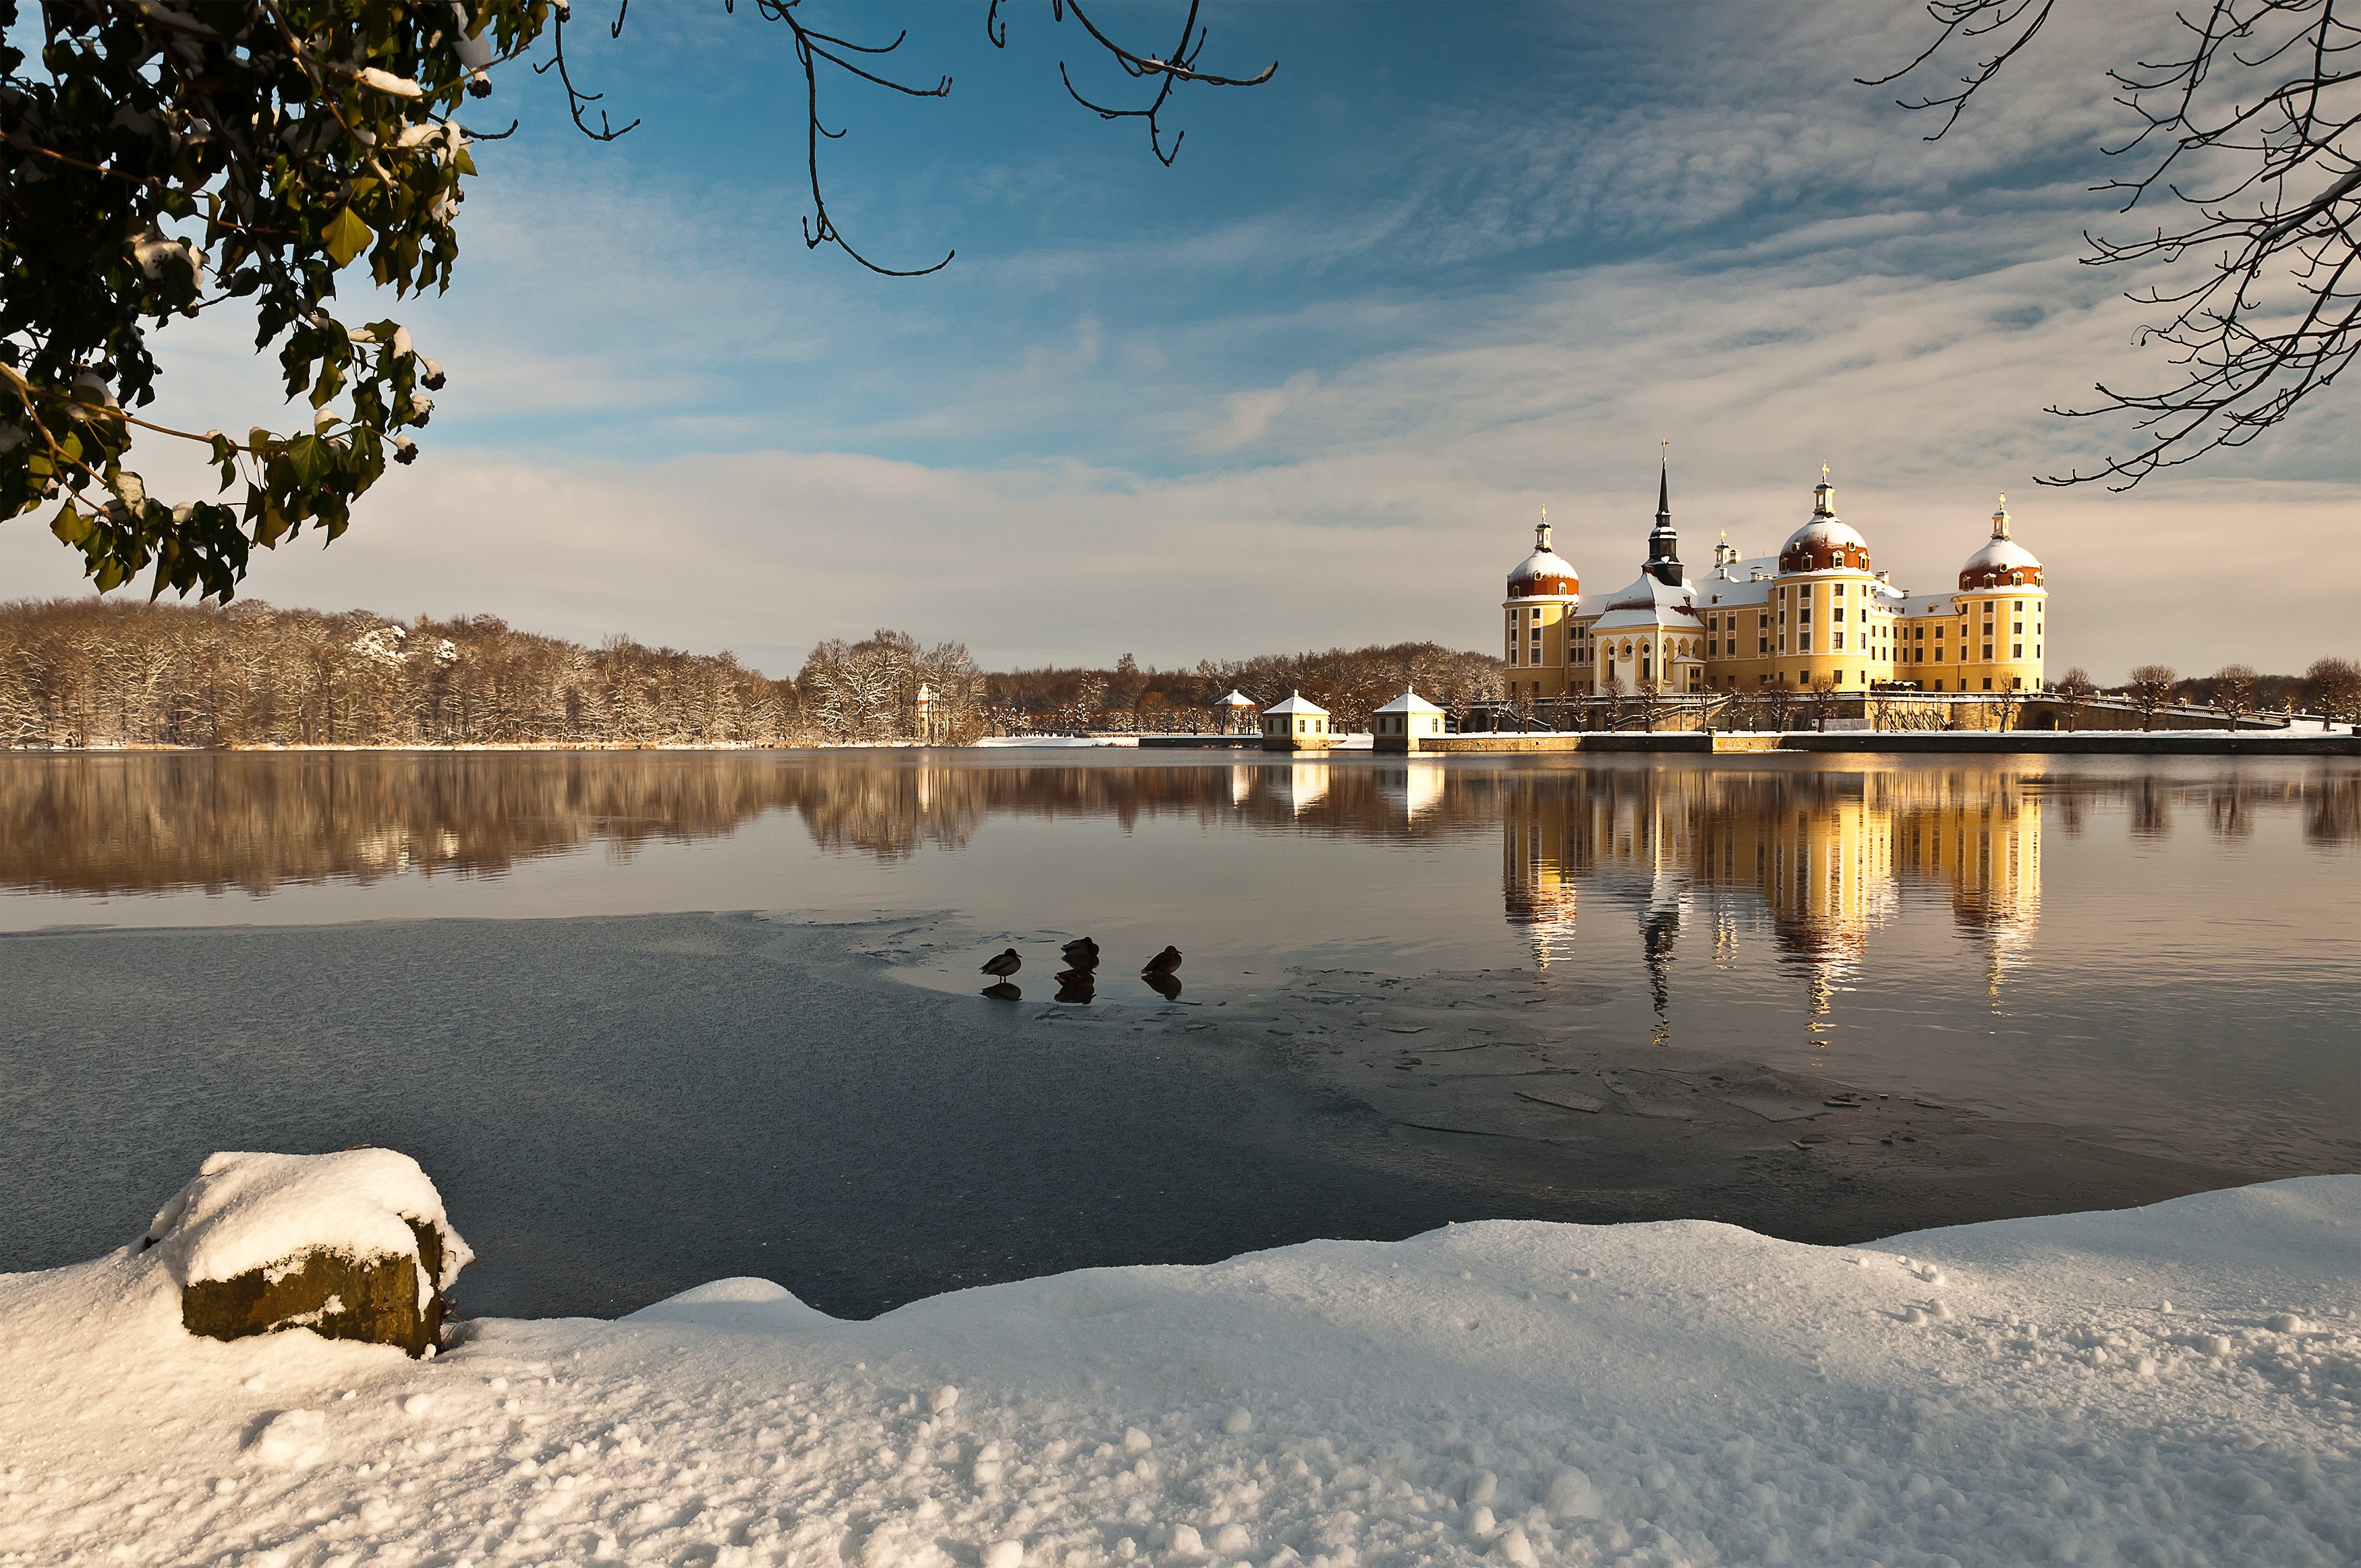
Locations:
{"points": [[1968, 742]]}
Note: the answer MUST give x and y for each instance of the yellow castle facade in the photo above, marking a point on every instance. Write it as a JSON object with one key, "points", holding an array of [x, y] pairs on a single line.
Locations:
{"points": [[1816, 616]]}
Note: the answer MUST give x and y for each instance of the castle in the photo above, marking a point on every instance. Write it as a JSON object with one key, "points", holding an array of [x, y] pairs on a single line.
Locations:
{"points": [[1814, 617]]}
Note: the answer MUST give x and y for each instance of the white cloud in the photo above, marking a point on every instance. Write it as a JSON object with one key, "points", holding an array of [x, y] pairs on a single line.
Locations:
{"points": [[1246, 416]]}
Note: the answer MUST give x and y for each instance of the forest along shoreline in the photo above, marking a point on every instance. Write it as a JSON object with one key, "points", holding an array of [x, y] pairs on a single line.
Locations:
{"points": [[81, 674]]}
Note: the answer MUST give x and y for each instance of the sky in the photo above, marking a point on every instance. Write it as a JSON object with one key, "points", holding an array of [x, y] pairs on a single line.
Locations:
{"points": [[1309, 387]]}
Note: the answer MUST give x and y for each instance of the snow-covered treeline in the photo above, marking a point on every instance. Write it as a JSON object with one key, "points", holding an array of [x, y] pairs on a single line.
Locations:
{"points": [[91, 673], [1350, 683]]}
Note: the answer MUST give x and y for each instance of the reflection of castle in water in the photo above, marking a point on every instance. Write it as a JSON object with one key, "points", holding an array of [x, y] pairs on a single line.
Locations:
{"points": [[1823, 858]]}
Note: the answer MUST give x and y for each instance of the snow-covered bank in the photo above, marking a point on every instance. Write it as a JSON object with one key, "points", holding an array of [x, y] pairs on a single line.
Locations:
{"points": [[2017, 1391]]}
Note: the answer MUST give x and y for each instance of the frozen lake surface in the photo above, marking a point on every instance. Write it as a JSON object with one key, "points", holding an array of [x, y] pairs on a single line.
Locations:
{"points": [[654, 1019]]}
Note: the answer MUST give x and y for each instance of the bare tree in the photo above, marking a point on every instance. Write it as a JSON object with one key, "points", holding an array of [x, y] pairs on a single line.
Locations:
{"points": [[2234, 692], [2008, 706], [1882, 707], [2150, 689], [2335, 686], [1655, 699], [2073, 692], [1824, 702], [1618, 705], [2244, 127]]}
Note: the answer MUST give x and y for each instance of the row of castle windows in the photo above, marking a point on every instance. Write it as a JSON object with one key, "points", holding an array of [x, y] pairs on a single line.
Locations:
{"points": [[1718, 646]]}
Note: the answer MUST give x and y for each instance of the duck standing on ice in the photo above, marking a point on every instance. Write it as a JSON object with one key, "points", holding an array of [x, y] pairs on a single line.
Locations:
{"points": [[1004, 965], [1160, 974]]}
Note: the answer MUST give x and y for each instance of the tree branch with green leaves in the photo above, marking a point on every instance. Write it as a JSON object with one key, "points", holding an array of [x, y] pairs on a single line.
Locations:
{"points": [[159, 159]]}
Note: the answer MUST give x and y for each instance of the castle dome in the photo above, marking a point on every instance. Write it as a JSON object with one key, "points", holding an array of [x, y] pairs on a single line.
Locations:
{"points": [[2003, 562], [1826, 543], [1544, 573]]}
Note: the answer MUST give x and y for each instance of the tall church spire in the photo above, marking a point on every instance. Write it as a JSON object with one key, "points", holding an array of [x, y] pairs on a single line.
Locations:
{"points": [[1664, 544], [1999, 518]]}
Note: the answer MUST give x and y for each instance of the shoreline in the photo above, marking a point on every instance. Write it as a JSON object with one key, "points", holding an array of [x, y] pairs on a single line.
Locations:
{"points": [[2016, 742]]}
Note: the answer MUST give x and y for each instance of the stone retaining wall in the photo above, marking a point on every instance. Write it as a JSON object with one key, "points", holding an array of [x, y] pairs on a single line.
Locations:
{"points": [[2050, 743]]}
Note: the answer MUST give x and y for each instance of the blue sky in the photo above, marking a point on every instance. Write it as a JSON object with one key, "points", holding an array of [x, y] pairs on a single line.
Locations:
{"points": [[1309, 386]]}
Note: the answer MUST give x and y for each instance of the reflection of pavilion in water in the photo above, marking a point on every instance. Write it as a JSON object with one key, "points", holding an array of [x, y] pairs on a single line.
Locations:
{"points": [[1823, 856]]}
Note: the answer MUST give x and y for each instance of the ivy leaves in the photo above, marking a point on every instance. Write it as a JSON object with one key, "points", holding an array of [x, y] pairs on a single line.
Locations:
{"points": [[165, 159], [345, 237]]}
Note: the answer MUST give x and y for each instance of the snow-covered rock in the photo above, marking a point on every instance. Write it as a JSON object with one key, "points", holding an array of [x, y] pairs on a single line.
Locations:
{"points": [[1707, 1396], [351, 1245]]}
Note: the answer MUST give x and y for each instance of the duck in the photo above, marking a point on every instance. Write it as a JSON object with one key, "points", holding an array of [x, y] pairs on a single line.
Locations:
{"points": [[1081, 953], [1004, 966], [1077, 985], [1164, 962]]}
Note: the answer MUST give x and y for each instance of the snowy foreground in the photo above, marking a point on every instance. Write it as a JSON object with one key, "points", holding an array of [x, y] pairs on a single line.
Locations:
{"points": [[2171, 1384]]}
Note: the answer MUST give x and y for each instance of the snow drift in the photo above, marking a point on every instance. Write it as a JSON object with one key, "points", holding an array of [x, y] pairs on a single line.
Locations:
{"points": [[2170, 1385]]}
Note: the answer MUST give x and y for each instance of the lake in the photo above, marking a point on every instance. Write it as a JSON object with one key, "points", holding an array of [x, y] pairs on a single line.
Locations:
{"points": [[656, 1018]]}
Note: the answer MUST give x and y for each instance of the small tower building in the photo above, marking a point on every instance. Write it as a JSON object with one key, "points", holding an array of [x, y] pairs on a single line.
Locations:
{"points": [[1295, 725], [1402, 723], [1831, 616], [1542, 638], [1237, 712]]}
